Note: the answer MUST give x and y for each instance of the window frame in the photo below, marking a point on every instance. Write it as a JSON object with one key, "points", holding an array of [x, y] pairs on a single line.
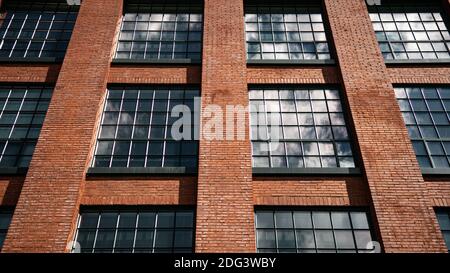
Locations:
{"points": [[8, 211], [372, 228], [404, 6], [21, 170], [138, 210], [31, 60], [253, 5], [160, 7], [427, 171], [164, 171], [308, 171]]}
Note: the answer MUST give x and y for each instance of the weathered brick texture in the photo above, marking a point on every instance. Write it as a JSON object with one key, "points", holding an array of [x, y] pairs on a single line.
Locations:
{"points": [[48, 206], [224, 205], [397, 188], [47, 200]]}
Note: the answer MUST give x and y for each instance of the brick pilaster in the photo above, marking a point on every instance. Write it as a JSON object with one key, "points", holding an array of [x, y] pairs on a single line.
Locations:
{"points": [[225, 206], [48, 206], [396, 184]]}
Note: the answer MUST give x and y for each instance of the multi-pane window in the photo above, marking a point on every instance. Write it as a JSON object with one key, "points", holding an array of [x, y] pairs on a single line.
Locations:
{"points": [[163, 30], [5, 220], [411, 33], [444, 222], [299, 128], [285, 32], [136, 128], [426, 113], [138, 231], [22, 113], [317, 231], [36, 29]]}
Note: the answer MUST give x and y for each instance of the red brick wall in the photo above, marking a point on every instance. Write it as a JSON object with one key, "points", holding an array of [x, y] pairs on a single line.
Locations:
{"points": [[224, 208], [143, 191], [419, 74], [37, 73], [397, 188], [155, 75], [292, 75], [48, 206], [10, 188], [56, 186], [282, 191]]}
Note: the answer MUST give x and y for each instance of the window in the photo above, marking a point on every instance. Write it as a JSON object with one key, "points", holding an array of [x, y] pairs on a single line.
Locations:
{"points": [[22, 113], [285, 32], [36, 29], [408, 32], [136, 231], [444, 222], [426, 113], [136, 128], [163, 30], [299, 128], [5, 220], [317, 231]]}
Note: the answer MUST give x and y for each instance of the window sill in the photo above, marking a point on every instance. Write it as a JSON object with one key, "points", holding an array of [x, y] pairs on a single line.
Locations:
{"points": [[436, 171], [153, 171], [305, 171], [30, 60], [13, 171], [156, 61], [418, 62], [291, 62]]}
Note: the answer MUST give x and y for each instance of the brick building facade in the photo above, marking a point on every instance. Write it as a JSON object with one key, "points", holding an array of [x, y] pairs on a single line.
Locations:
{"points": [[233, 203]]}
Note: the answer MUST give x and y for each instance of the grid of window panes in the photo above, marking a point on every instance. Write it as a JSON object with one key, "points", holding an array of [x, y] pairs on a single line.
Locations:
{"points": [[22, 113], [426, 113], [285, 32], [302, 231], [411, 33], [5, 220], [161, 30], [299, 128], [143, 231], [136, 128], [36, 29], [444, 222]]}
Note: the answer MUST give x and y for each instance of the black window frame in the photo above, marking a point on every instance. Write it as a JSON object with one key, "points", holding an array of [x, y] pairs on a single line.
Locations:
{"points": [[36, 119], [146, 170], [318, 171], [413, 6], [372, 228], [4, 231], [160, 7], [444, 213], [58, 41], [432, 124], [148, 209], [252, 5]]}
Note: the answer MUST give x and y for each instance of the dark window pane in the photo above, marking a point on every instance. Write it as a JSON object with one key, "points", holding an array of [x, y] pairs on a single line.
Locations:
{"points": [[165, 220], [108, 220], [283, 220], [324, 239], [266, 239], [164, 239], [127, 220], [125, 239], [265, 220], [285, 238], [321, 220]]}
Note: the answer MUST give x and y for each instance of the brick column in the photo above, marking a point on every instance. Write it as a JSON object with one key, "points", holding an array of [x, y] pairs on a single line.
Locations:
{"points": [[225, 206], [406, 220], [46, 213]]}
